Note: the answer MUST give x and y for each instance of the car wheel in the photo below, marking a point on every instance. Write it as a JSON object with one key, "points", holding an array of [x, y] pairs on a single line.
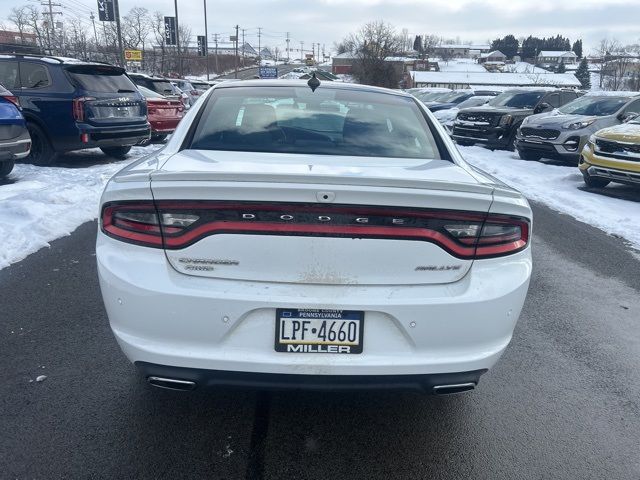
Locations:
{"points": [[42, 152], [529, 155], [158, 138], [593, 182], [116, 152], [6, 167]]}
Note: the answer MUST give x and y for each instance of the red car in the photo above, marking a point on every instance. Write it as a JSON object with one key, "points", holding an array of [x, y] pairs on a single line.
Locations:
{"points": [[163, 113]]}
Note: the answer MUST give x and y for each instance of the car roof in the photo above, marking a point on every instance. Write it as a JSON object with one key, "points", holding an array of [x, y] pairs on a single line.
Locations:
{"points": [[54, 60], [303, 83]]}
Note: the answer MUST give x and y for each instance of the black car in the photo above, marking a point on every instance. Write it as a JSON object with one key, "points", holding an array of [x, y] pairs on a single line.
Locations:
{"points": [[455, 98], [14, 136], [72, 105], [495, 124], [157, 84]]}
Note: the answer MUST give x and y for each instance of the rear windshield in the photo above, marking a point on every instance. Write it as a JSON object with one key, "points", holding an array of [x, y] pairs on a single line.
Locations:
{"points": [[517, 100], [101, 79], [327, 121], [598, 106], [149, 93], [163, 86]]}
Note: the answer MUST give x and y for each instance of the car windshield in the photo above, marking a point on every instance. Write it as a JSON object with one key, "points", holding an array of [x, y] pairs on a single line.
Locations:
{"points": [[474, 101], [595, 106], [516, 99], [101, 79], [431, 96], [329, 121], [162, 86], [149, 93], [452, 97]]}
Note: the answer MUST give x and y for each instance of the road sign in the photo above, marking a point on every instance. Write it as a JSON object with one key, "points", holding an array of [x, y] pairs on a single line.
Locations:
{"points": [[268, 72], [106, 11], [170, 33], [202, 45], [233, 38], [133, 55]]}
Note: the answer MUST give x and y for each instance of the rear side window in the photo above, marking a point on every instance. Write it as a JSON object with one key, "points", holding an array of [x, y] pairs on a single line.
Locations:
{"points": [[9, 75], [101, 79], [634, 107], [553, 99], [324, 122], [34, 75], [568, 97]]}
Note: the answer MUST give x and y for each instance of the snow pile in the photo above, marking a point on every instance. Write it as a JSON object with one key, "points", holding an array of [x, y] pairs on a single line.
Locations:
{"points": [[557, 187], [46, 203]]}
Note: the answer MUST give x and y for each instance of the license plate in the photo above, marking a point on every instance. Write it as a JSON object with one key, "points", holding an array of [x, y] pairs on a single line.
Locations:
{"points": [[319, 331]]}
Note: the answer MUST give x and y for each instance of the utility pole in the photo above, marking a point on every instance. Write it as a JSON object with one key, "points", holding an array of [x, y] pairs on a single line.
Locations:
{"points": [[243, 58], [175, 7], [259, 46], [236, 72], [119, 31], [215, 39], [288, 40], [206, 38], [301, 50], [95, 32], [51, 28], [323, 52]]}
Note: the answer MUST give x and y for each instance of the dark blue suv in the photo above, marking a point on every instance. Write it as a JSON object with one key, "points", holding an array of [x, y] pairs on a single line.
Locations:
{"points": [[72, 105]]}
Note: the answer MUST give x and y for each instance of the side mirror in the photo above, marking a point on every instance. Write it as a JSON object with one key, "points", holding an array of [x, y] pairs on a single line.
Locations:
{"points": [[542, 107], [627, 117]]}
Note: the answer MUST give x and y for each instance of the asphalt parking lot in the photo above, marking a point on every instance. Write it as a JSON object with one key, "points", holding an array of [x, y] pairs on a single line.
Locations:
{"points": [[561, 404]]}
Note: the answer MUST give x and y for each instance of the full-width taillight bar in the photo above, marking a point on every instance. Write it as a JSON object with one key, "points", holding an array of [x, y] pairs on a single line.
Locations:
{"points": [[178, 224]]}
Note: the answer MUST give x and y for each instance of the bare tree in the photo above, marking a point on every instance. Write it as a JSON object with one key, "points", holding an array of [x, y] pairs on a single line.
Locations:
{"points": [[157, 30], [19, 16], [372, 45], [34, 23]]}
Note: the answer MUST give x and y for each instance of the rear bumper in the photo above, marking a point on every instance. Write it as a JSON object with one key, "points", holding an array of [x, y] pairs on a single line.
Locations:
{"points": [[16, 148], [196, 378], [163, 317], [113, 136]]}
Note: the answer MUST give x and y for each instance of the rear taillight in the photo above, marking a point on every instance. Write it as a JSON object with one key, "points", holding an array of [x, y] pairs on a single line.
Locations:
{"points": [[13, 99], [178, 224], [78, 107]]}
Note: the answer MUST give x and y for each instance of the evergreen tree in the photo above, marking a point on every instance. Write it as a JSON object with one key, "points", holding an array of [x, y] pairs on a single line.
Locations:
{"points": [[577, 48], [417, 44], [583, 75], [561, 68]]}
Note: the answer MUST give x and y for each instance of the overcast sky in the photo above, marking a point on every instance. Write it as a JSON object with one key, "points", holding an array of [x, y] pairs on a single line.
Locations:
{"points": [[325, 21]]}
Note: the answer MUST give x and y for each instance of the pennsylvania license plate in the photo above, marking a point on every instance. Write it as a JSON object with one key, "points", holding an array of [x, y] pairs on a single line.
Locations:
{"points": [[319, 331]]}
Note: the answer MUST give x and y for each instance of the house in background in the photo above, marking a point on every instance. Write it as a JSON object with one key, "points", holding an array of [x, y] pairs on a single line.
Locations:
{"points": [[552, 59], [492, 57], [16, 42]]}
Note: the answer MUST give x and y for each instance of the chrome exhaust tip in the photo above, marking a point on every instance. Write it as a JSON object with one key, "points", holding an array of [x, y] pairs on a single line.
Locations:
{"points": [[453, 388], [171, 383]]}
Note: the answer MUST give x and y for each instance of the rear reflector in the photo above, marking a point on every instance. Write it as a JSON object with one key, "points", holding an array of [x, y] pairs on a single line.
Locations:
{"points": [[178, 224]]}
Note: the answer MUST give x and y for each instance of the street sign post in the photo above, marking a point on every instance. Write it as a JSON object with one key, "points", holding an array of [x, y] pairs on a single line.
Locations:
{"points": [[170, 32], [133, 55], [106, 11], [268, 72]]}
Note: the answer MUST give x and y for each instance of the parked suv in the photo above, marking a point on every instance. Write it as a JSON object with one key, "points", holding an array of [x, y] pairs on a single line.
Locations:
{"points": [[563, 133], [496, 123], [14, 137], [72, 105]]}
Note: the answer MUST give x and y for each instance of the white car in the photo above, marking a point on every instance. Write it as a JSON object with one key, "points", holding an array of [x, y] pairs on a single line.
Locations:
{"points": [[328, 237]]}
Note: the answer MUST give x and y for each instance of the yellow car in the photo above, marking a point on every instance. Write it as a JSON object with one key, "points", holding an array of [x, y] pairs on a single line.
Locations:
{"points": [[612, 155]]}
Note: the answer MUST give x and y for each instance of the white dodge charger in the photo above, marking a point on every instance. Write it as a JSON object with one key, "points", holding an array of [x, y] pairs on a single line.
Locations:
{"points": [[305, 236]]}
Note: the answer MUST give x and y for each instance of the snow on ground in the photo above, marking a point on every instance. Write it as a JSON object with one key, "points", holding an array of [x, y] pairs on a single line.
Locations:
{"points": [[557, 187], [45, 203]]}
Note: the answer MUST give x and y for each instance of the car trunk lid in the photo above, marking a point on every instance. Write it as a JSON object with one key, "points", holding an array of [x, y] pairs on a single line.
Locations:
{"points": [[314, 219]]}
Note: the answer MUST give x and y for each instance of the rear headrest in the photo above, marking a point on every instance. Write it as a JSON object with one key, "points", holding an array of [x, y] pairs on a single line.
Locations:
{"points": [[258, 117]]}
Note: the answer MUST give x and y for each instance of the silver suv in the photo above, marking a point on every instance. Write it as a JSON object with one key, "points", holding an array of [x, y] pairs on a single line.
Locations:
{"points": [[562, 133]]}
